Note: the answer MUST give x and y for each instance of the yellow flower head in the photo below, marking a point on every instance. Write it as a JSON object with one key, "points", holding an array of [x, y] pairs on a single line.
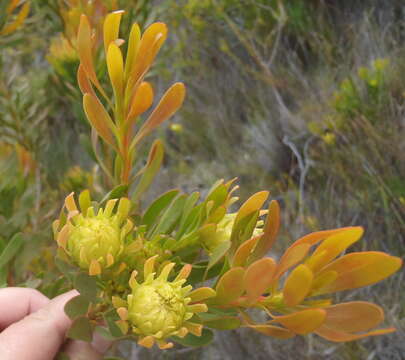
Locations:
{"points": [[92, 241], [159, 308]]}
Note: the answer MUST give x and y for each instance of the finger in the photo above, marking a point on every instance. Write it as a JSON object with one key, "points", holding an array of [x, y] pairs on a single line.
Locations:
{"points": [[17, 303], [39, 335]]}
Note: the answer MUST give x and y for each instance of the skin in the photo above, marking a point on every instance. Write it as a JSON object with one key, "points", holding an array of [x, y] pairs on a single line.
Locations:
{"points": [[33, 327]]}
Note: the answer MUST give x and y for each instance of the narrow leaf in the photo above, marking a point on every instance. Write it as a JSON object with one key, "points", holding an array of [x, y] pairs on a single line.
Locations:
{"points": [[141, 101], [270, 231], [99, 118], [111, 28], [297, 285], [84, 48], [150, 170], [158, 206], [168, 105], [11, 249], [115, 64], [133, 45]]}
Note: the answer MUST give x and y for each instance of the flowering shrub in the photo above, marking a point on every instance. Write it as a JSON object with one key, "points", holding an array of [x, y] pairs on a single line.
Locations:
{"points": [[171, 270], [135, 268]]}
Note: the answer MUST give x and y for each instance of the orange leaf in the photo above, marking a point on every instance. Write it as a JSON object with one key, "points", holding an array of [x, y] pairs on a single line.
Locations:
{"points": [[8, 29], [254, 203], [83, 81], [297, 285], [151, 41], [99, 118], [244, 250], [353, 316], [111, 28], [360, 269], [274, 331], [133, 45], [84, 49], [302, 322], [230, 286], [168, 105], [332, 246], [201, 294], [115, 64], [291, 257], [11, 6], [340, 336], [270, 231], [316, 237], [258, 277], [141, 101]]}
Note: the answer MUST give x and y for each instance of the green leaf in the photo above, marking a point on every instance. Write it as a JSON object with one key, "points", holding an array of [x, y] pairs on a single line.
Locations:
{"points": [[116, 193], [150, 170], [66, 269], [76, 307], [191, 340], [190, 222], [199, 270], [170, 217], [188, 206], [222, 323], [218, 196], [11, 249], [218, 253], [87, 286], [81, 329], [243, 230], [161, 203], [110, 318]]}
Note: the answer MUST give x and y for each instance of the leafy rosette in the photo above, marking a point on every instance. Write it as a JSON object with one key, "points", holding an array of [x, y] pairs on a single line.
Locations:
{"points": [[158, 308], [93, 241]]}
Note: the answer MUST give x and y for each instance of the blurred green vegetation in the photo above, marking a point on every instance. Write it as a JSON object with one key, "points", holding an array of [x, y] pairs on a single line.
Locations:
{"points": [[302, 98]]}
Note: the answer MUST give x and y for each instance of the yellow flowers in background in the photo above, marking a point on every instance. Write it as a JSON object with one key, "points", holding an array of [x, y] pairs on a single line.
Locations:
{"points": [[95, 10], [12, 15]]}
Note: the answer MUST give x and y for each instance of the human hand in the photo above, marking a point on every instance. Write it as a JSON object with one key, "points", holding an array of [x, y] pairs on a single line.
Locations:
{"points": [[33, 327]]}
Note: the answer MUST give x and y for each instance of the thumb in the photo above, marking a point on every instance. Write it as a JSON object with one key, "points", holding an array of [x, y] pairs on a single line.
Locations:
{"points": [[39, 335]]}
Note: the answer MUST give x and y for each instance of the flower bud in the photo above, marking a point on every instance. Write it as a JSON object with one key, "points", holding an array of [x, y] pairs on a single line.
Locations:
{"points": [[94, 238], [159, 308], [224, 232], [94, 242]]}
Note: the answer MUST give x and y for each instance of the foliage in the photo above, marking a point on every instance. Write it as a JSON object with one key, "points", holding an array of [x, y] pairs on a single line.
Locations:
{"points": [[77, 116]]}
